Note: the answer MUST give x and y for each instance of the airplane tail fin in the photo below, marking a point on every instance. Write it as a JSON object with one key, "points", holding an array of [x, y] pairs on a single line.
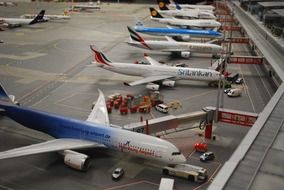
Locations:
{"points": [[136, 37], [38, 17], [162, 5], [100, 57], [218, 64], [178, 7], [154, 13]]}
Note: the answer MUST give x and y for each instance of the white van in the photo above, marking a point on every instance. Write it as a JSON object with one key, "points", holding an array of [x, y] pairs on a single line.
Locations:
{"points": [[234, 92], [162, 108]]}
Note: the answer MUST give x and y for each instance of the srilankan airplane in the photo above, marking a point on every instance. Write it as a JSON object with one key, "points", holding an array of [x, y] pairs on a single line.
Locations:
{"points": [[75, 134], [156, 72], [196, 23], [186, 13], [182, 33], [184, 49], [17, 22]]}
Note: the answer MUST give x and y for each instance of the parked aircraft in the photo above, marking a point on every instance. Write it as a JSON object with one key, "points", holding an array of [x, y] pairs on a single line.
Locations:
{"points": [[199, 23], [188, 13], [156, 72], [184, 34], [191, 6], [16, 22], [184, 49], [86, 6], [64, 16], [73, 134], [8, 4]]}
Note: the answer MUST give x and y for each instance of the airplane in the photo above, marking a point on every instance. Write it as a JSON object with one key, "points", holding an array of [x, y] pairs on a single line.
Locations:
{"points": [[199, 23], [64, 16], [17, 22], [8, 4], [191, 6], [183, 49], [156, 72], [86, 6], [179, 33], [186, 13], [76, 134]]}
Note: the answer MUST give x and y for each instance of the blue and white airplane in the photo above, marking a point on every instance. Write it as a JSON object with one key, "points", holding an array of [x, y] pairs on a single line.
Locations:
{"points": [[185, 33], [74, 134]]}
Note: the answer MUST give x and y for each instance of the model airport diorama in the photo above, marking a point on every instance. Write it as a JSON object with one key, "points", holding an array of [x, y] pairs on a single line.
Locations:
{"points": [[74, 87]]}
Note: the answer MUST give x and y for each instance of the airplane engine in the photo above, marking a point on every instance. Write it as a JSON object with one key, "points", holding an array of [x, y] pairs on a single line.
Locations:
{"points": [[185, 54], [169, 83], [152, 86], [185, 38], [182, 38], [77, 161]]}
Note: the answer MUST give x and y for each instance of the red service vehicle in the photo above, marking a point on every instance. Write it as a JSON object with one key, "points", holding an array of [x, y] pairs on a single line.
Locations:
{"points": [[123, 110], [116, 104], [200, 147], [133, 109], [109, 108]]}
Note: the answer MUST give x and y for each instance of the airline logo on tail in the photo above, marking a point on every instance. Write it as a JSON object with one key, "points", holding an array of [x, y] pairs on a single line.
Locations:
{"points": [[162, 5], [100, 57], [38, 18], [136, 37], [154, 13]]}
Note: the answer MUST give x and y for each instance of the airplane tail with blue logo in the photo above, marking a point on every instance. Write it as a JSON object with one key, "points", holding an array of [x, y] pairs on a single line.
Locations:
{"points": [[38, 18]]}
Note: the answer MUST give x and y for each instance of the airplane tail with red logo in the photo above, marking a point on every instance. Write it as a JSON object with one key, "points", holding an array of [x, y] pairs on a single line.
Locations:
{"points": [[134, 36], [100, 58]]}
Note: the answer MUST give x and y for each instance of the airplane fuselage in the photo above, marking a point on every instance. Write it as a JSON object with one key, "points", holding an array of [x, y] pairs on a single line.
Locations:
{"points": [[200, 23], [178, 32], [189, 13], [16, 21], [140, 145], [174, 46], [178, 73]]}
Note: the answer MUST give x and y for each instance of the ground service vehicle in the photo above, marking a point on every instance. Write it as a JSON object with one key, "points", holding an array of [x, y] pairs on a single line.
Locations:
{"points": [[166, 184], [117, 173], [162, 108], [235, 92], [207, 156], [190, 172]]}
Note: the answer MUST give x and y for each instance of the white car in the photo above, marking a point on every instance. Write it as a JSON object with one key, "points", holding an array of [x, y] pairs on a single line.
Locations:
{"points": [[162, 108]]}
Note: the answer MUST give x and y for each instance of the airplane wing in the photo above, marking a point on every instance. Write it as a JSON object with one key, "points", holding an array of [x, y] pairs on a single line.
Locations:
{"points": [[49, 146], [99, 113], [149, 79], [152, 61]]}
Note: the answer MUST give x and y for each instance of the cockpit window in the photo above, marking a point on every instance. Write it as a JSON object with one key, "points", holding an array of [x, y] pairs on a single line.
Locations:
{"points": [[176, 153]]}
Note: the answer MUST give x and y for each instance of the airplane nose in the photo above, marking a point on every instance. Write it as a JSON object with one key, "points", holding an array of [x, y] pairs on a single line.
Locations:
{"points": [[181, 159]]}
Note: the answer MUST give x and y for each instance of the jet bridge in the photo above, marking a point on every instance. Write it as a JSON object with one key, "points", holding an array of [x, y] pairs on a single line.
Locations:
{"points": [[169, 123], [199, 119]]}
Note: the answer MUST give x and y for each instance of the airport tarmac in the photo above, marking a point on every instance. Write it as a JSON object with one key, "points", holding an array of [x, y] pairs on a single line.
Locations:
{"points": [[47, 66]]}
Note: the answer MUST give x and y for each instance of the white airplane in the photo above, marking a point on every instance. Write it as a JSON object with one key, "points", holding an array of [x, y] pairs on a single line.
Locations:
{"points": [[184, 49], [185, 13], [156, 72], [75, 134], [16, 22], [64, 16], [196, 23], [8, 4], [86, 6], [190, 6]]}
